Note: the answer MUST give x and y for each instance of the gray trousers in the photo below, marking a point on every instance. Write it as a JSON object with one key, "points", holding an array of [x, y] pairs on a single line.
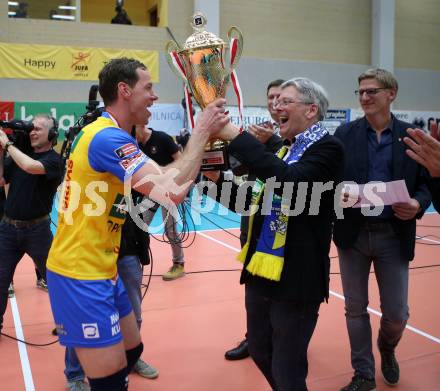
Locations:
{"points": [[377, 244], [170, 231]]}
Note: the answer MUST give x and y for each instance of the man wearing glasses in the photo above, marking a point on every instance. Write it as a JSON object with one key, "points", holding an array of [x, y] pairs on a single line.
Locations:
{"points": [[285, 258], [375, 152]]}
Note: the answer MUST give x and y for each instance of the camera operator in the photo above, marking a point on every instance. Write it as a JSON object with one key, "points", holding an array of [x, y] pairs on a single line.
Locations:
{"points": [[33, 180]]}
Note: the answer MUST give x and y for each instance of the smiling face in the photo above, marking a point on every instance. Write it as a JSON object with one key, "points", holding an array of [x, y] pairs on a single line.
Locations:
{"points": [[272, 96], [295, 115], [141, 97], [378, 103]]}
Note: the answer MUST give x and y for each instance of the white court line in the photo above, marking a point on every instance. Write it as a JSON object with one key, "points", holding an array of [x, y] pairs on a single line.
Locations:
{"points": [[339, 296], [25, 364], [413, 329], [427, 239]]}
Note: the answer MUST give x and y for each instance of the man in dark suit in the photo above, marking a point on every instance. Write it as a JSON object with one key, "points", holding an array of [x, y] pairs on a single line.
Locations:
{"points": [[375, 152], [286, 261], [266, 133]]}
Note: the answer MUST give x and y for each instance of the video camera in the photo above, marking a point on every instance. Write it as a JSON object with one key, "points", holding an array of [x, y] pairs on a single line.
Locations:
{"points": [[19, 133], [92, 114]]}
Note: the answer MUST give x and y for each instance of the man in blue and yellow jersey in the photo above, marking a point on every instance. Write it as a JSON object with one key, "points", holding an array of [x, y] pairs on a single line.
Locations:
{"points": [[89, 303]]}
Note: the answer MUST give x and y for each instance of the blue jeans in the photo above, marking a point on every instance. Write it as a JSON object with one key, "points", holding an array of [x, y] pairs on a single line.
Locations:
{"points": [[34, 240], [381, 246], [130, 272], [278, 334], [170, 231]]}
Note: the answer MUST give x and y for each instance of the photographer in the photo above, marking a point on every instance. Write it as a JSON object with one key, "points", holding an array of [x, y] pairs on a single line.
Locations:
{"points": [[33, 181]]}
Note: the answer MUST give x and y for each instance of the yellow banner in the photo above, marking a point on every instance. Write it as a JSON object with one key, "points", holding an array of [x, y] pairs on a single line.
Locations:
{"points": [[48, 62]]}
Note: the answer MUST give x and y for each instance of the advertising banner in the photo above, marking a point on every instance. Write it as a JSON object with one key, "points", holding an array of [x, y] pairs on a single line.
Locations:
{"points": [[336, 117], [168, 118], [252, 115], [6, 111], [65, 113], [255, 115], [419, 119], [165, 117], [49, 62]]}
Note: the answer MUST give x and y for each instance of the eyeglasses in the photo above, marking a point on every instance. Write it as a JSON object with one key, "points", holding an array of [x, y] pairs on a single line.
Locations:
{"points": [[369, 91], [285, 102]]}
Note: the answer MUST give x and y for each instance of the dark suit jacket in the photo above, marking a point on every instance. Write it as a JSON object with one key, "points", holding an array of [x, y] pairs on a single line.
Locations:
{"points": [[305, 276], [354, 137]]}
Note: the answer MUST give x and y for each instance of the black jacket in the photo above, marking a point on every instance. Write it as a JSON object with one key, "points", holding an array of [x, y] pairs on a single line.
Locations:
{"points": [[434, 188], [134, 240], [305, 276], [354, 137]]}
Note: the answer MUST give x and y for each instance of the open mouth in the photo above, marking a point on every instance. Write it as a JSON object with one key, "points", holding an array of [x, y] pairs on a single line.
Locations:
{"points": [[283, 119], [148, 111]]}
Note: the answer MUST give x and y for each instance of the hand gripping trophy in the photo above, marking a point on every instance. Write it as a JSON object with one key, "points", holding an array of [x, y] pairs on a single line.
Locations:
{"points": [[206, 64]]}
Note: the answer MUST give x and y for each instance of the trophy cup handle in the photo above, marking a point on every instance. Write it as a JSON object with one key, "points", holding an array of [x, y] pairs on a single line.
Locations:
{"points": [[170, 47], [234, 32]]}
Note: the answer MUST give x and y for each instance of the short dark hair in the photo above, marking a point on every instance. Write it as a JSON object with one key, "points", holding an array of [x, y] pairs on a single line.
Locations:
{"points": [[117, 70], [274, 83]]}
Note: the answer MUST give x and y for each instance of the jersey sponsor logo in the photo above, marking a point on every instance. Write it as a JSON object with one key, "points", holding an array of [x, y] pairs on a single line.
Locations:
{"points": [[119, 208], [60, 329], [90, 330], [130, 164], [113, 227], [114, 320], [68, 186], [125, 150]]}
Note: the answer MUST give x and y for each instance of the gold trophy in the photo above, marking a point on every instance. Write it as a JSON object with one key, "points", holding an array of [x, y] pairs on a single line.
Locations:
{"points": [[206, 64]]}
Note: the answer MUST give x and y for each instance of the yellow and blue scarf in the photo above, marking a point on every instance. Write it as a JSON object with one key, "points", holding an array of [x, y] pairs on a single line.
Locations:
{"points": [[268, 259]]}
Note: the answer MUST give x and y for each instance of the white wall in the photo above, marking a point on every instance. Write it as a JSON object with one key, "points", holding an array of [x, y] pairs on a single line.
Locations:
{"points": [[328, 41]]}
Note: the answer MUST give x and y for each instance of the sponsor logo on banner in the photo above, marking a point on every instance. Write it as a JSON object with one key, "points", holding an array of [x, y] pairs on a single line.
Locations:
{"points": [[125, 150], [90, 330], [335, 118], [43, 65], [79, 64], [54, 62]]}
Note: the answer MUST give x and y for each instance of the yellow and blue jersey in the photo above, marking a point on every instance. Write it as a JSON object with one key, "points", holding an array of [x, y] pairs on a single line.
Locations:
{"points": [[92, 205]]}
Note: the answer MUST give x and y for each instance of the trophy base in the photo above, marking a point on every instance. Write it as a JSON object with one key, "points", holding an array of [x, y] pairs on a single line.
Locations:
{"points": [[215, 159]]}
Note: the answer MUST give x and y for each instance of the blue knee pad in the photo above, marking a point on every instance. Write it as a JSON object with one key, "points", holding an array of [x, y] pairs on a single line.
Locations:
{"points": [[116, 382], [133, 355]]}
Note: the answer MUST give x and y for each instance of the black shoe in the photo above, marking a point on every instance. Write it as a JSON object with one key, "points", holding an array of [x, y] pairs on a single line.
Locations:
{"points": [[238, 353], [359, 383], [390, 368]]}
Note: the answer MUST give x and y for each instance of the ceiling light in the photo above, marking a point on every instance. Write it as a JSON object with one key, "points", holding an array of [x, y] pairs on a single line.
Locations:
{"points": [[64, 17], [67, 7]]}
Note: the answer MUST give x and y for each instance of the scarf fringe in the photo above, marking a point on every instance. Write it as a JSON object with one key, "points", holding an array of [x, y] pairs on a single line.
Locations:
{"points": [[266, 265]]}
